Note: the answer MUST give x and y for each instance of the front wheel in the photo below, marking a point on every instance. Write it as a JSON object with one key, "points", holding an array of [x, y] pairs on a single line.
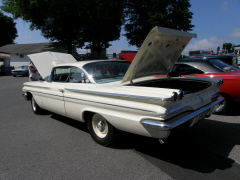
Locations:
{"points": [[101, 131], [225, 106], [36, 109]]}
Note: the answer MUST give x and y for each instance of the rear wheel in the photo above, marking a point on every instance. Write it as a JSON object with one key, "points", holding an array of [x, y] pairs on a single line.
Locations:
{"points": [[225, 106], [36, 109], [101, 131], [14, 75]]}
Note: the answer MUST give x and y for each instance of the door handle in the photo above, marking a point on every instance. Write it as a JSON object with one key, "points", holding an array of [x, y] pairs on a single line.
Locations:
{"points": [[61, 90]]}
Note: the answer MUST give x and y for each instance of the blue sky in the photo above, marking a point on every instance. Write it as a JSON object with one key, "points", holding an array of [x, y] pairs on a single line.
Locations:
{"points": [[216, 22]]}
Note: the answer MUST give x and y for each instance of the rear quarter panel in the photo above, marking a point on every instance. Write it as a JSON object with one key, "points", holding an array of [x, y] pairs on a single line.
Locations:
{"points": [[231, 84]]}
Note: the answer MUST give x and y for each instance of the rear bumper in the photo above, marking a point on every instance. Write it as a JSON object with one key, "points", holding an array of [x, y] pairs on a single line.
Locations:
{"points": [[162, 130]]}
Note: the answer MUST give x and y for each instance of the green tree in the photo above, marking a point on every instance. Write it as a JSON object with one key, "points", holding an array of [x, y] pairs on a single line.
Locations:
{"points": [[8, 31], [228, 47], [142, 16], [105, 23], [218, 49], [71, 22]]}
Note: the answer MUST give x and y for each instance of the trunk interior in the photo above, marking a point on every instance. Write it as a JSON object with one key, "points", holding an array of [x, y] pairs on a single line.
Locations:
{"points": [[186, 85]]}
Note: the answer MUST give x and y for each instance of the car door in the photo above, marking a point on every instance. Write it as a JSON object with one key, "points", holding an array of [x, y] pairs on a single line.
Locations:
{"points": [[73, 98], [53, 90]]}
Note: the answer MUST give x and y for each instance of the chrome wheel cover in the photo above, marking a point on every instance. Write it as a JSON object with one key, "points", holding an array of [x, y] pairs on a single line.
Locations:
{"points": [[221, 106], [100, 126]]}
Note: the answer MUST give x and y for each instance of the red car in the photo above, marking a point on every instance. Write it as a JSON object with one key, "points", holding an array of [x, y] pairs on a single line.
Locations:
{"points": [[212, 68]]}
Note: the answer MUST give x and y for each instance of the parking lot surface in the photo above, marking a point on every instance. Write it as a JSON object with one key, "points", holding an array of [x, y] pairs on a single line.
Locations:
{"points": [[54, 147]]}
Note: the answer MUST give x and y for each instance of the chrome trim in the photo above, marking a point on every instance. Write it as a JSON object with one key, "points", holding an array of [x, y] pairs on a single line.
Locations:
{"points": [[26, 96], [65, 97], [174, 109], [44, 93], [180, 94], [160, 129], [174, 97], [115, 94], [220, 82]]}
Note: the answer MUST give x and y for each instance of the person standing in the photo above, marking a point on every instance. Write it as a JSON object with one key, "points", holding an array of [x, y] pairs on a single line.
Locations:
{"points": [[33, 72]]}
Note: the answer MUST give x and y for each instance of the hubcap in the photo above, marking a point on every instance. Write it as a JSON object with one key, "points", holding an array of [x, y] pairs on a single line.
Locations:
{"points": [[221, 106], [100, 126]]}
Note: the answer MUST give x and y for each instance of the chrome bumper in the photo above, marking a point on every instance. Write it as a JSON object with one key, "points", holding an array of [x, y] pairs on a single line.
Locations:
{"points": [[26, 96], [162, 130]]}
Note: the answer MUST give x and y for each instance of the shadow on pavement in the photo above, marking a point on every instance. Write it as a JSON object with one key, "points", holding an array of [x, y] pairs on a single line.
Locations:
{"points": [[186, 150], [218, 136], [177, 152], [71, 122]]}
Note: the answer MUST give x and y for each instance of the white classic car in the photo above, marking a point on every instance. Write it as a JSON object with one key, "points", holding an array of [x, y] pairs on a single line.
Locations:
{"points": [[113, 95]]}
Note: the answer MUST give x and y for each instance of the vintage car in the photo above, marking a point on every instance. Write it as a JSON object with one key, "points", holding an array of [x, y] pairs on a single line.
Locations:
{"points": [[209, 54], [113, 96], [21, 70], [212, 68]]}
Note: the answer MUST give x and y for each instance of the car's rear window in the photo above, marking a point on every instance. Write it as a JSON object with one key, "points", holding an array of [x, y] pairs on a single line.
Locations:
{"points": [[107, 71], [223, 66]]}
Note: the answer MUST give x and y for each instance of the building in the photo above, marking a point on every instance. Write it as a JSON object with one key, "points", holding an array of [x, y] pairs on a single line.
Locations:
{"points": [[17, 53], [237, 49]]}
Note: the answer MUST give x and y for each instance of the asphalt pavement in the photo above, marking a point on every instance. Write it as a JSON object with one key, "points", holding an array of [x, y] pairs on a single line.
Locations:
{"points": [[54, 147]]}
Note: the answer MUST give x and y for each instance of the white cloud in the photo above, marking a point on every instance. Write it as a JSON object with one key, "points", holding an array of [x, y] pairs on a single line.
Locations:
{"points": [[225, 6], [27, 37], [204, 44], [235, 33]]}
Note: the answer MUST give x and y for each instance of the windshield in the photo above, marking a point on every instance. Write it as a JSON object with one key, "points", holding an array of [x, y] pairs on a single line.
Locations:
{"points": [[223, 66], [107, 71], [23, 67]]}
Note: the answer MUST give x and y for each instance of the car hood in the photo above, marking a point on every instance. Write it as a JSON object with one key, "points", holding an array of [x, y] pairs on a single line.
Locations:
{"points": [[158, 53], [45, 61]]}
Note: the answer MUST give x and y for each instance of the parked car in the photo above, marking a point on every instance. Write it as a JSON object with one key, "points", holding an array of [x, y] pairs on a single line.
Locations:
{"points": [[114, 95], [21, 70], [230, 59], [212, 68], [1, 70]]}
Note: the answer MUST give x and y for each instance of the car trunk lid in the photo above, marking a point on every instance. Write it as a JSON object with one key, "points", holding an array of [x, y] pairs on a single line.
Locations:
{"points": [[158, 53]]}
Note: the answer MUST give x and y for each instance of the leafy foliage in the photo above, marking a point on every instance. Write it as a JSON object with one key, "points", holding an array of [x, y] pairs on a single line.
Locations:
{"points": [[142, 16], [8, 31], [71, 22], [228, 47], [94, 23], [105, 23]]}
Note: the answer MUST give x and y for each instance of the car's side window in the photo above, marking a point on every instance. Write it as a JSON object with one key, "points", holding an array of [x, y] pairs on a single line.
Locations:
{"points": [[61, 74], [184, 69], [77, 76]]}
